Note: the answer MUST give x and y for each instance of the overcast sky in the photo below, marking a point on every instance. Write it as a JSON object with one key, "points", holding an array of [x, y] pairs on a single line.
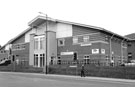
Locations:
{"points": [[117, 16]]}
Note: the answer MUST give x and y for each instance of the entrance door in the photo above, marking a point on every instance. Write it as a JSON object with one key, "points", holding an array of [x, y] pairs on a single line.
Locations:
{"points": [[39, 60]]}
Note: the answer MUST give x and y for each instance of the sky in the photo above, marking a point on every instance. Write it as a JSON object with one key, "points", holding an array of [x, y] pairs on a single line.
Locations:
{"points": [[117, 16]]}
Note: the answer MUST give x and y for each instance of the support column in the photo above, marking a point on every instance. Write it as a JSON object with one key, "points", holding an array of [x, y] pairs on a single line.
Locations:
{"points": [[31, 50], [111, 49]]}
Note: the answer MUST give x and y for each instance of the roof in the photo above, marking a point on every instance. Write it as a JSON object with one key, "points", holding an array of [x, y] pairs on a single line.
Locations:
{"points": [[39, 19], [131, 36], [13, 39]]}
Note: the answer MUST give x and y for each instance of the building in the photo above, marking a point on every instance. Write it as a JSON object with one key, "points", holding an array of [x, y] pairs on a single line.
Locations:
{"points": [[131, 47], [51, 41]]}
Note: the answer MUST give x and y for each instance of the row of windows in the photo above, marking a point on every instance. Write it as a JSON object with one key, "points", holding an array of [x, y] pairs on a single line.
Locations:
{"points": [[87, 38], [18, 46], [61, 42], [3, 51]]}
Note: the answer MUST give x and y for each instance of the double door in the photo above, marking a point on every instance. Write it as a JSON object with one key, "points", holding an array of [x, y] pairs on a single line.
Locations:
{"points": [[39, 60]]}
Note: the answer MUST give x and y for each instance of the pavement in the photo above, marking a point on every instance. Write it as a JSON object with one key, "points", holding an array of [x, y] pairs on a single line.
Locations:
{"points": [[102, 79]]}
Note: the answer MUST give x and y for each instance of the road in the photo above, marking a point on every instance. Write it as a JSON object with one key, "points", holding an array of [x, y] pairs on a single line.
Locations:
{"points": [[11, 79]]}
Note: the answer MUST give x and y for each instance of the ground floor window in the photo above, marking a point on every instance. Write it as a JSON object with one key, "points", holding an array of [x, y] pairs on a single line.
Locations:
{"points": [[39, 60], [42, 57], [58, 60], [86, 59], [35, 59]]}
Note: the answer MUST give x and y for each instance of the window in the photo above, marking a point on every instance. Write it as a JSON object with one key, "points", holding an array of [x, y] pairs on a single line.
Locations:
{"points": [[20, 46], [42, 60], [86, 59], [129, 54], [129, 44], [106, 38], [39, 42], [36, 43], [42, 44], [36, 60], [61, 42], [52, 60], [86, 38], [75, 40], [59, 60]]}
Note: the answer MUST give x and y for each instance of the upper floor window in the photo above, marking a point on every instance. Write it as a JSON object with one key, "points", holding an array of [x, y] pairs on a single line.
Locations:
{"points": [[42, 43], [3, 51], [19, 46], [106, 38], [36, 43], [86, 38], [75, 40], [39, 43], [61, 42], [129, 44]]}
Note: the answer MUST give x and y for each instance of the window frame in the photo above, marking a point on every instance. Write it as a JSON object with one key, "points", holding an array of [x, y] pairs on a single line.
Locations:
{"points": [[75, 39], [86, 38], [63, 42], [86, 59]]}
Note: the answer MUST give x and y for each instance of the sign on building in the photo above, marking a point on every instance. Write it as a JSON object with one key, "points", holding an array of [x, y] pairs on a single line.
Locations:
{"points": [[95, 51], [67, 53], [102, 51]]}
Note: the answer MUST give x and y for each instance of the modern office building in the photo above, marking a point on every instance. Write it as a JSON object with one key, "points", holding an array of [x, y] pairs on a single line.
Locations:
{"points": [[51, 41], [131, 47]]}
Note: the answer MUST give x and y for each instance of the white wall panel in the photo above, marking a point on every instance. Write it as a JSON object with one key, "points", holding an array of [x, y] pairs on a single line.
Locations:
{"points": [[27, 36], [63, 30]]}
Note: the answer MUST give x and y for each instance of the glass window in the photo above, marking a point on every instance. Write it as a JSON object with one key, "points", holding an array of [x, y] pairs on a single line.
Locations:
{"points": [[75, 40], [59, 60], [86, 59], [42, 44], [23, 46], [36, 60], [61, 42], [20, 46], [41, 60], [86, 38], [36, 43]]}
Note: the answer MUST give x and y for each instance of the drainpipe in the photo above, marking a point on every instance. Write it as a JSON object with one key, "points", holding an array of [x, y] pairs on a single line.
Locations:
{"points": [[46, 43], [111, 47], [122, 50]]}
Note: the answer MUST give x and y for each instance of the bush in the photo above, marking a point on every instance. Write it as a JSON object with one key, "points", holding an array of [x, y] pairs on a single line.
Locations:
{"points": [[111, 72]]}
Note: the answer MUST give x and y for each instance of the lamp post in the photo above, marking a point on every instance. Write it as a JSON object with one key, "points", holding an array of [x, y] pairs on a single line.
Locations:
{"points": [[122, 51], [45, 66], [111, 47]]}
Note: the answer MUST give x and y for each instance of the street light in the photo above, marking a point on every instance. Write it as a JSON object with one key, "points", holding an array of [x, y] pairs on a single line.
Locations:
{"points": [[45, 66]]}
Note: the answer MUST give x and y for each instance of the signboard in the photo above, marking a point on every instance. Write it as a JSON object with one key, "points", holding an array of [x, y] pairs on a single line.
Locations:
{"points": [[84, 44], [102, 51], [95, 51], [67, 53]]}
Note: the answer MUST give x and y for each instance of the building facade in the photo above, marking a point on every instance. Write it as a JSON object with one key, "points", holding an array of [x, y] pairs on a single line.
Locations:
{"points": [[131, 47], [51, 41]]}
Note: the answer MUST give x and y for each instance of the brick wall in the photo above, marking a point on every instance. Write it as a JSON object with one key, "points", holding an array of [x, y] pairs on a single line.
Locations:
{"points": [[22, 54], [20, 39], [131, 50], [78, 30]]}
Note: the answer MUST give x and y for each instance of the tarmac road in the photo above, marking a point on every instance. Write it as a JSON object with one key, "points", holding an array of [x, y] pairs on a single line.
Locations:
{"points": [[14, 79]]}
